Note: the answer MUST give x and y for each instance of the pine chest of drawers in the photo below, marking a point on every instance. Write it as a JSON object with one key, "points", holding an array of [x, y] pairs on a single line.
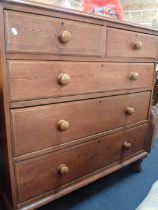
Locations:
{"points": [[75, 102]]}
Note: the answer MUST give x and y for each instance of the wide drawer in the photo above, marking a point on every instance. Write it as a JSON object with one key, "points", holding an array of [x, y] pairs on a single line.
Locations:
{"points": [[41, 127], [121, 43], [32, 79], [51, 171], [28, 33]]}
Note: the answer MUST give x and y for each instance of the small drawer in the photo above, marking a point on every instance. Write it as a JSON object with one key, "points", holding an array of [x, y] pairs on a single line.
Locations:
{"points": [[28, 33], [32, 80], [122, 43], [37, 128], [62, 167]]}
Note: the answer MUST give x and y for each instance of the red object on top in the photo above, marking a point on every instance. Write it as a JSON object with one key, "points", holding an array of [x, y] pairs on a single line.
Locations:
{"points": [[111, 8]]}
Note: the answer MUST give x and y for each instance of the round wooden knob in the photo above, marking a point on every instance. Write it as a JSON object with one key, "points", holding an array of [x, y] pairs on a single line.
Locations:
{"points": [[64, 79], [63, 169], [63, 125], [138, 45], [134, 76], [130, 110], [65, 36], [126, 145]]}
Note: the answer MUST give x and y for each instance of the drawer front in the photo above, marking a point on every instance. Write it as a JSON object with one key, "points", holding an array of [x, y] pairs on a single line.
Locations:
{"points": [[41, 127], [30, 80], [122, 43], [64, 166], [40, 34]]}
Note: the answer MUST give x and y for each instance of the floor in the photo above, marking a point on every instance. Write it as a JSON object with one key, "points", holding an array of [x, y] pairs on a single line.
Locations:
{"points": [[122, 190]]}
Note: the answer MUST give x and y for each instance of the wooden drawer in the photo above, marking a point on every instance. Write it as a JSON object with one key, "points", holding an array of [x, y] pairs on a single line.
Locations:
{"points": [[46, 171], [32, 79], [41, 127], [122, 43], [28, 33]]}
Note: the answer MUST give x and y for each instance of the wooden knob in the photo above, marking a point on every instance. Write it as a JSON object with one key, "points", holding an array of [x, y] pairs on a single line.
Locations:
{"points": [[64, 79], [63, 125], [65, 36], [129, 110], [126, 145], [138, 45], [63, 169], [134, 76]]}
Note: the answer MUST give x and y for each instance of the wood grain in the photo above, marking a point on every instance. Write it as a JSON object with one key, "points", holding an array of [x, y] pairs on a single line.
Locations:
{"points": [[39, 34], [7, 178], [78, 141], [34, 79], [43, 199], [32, 56], [81, 160], [36, 128], [49, 10], [55, 100], [120, 43]]}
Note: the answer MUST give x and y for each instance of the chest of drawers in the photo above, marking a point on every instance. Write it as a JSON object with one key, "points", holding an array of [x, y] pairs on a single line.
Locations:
{"points": [[75, 100]]}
